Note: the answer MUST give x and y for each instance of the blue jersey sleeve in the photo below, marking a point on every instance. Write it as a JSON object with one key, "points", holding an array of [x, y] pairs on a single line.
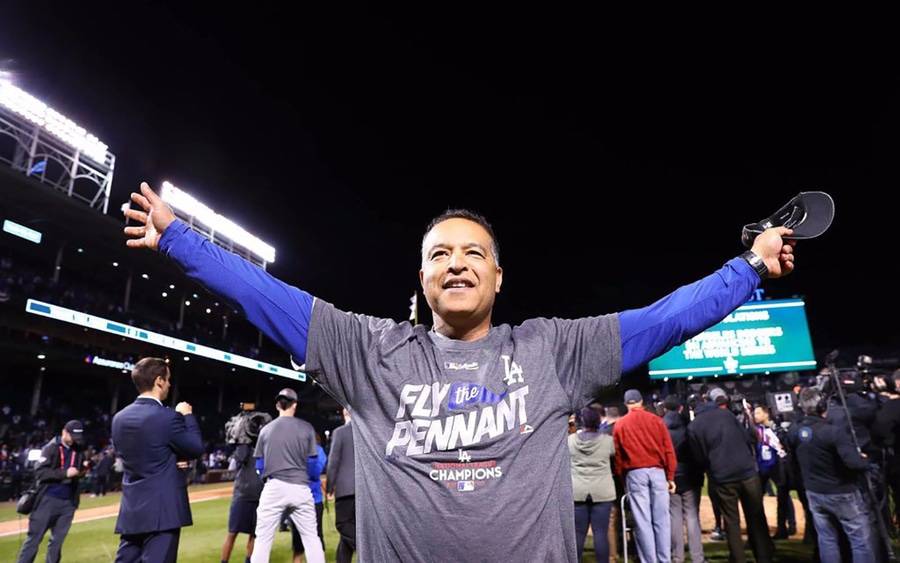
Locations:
{"points": [[689, 310], [281, 311]]}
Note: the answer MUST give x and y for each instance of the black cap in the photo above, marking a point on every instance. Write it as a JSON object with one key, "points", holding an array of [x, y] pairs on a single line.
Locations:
{"points": [[287, 393], [76, 429], [808, 214]]}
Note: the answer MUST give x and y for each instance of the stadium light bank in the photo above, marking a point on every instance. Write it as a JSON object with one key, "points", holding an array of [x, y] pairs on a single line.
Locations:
{"points": [[195, 211], [38, 113]]}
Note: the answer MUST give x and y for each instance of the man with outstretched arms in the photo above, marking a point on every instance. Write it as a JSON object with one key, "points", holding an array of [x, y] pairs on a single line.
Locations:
{"points": [[458, 428]]}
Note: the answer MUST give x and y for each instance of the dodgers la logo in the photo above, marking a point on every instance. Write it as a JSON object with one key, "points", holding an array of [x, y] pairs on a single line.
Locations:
{"points": [[513, 371]]}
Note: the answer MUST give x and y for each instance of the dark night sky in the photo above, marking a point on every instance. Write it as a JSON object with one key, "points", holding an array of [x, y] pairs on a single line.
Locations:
{"points": [[616, 159]]}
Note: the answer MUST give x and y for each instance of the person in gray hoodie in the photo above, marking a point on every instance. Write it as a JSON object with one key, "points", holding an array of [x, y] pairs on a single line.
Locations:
{"points": [[591, 454]]}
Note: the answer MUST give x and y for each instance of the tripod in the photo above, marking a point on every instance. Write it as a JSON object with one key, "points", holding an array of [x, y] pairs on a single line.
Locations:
{"points": [[868, 487]]}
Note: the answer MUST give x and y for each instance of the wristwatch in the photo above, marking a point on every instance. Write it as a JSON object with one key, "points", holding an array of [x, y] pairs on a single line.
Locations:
{"points": [[756, 263]]}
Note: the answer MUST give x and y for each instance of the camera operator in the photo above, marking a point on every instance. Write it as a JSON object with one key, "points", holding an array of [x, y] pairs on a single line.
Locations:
{"points": [[863, 407], [886, 429], [830, 465], [243, 431]]}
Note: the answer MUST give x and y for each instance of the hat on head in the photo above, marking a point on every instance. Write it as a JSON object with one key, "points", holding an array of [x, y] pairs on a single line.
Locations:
{"points": [[633, 396], [76, 429], [717, 395], [287, 393]]}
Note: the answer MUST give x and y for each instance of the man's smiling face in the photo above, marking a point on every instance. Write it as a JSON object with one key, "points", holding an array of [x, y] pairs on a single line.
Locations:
{"points": [[460, 275]]}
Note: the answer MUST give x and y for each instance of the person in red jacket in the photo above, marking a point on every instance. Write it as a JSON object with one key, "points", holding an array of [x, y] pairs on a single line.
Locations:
{"points": [[645, 456]]}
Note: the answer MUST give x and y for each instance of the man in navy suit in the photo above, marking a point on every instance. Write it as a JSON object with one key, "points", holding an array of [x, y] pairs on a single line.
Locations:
{"points": [[152, 439]]}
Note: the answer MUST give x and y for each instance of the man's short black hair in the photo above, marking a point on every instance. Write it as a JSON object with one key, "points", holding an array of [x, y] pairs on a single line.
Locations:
{"points": [[284, 403], [601, 410], [146, 371], [811, 401], [672, 402], [470, 216]]}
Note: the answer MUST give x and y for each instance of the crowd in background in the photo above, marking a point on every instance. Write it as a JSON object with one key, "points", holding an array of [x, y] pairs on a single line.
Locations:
{"points": [[662, 452]]}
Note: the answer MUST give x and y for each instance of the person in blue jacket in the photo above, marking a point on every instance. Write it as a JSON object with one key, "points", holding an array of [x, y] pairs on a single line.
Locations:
{"points": [[458, 426], [314, 467]]}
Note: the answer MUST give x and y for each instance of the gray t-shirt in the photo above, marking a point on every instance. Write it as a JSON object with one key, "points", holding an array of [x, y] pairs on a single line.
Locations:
{"points": [[285, 444], [460, 447]]}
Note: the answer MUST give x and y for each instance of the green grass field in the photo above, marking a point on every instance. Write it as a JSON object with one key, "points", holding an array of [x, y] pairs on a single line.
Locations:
{"points": [[94, 541], [8, 509], [202, 542]]}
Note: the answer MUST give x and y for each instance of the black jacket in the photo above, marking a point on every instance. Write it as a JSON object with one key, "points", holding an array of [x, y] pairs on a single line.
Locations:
{"points": [[50, 470], [104, 466], [688, 473], [887, 424], [886, 430], [247, 484], [863, 410], [724, 447], [829, 463]]}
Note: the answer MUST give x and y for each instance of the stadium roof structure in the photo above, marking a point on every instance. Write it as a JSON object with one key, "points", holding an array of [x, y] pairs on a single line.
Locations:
{"points": [[41, 143], [67, 230]]}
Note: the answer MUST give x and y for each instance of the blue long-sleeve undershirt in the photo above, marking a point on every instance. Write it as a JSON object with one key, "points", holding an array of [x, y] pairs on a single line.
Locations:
{"points": [[689, 310], [283, 312]]}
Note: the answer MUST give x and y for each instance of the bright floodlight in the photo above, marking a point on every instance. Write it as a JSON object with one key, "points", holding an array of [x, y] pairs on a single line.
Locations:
{"points": [[187, 204], [40, 114]]}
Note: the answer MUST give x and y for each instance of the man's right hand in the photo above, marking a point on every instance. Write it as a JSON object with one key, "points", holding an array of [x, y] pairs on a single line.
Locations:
{"points": [[71, 472], [184, 408], [153, 221]]}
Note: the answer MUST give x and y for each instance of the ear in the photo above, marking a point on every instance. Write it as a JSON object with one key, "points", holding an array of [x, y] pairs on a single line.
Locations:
{"points": [[422, 278], [499, 279]]}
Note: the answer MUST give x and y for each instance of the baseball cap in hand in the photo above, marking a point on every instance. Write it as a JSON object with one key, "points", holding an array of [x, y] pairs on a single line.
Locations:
{"points": [[808, 214]]}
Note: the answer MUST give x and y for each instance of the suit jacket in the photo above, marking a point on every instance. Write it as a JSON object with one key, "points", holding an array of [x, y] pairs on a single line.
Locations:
{"points": [[341, 465], [151, 438]]}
